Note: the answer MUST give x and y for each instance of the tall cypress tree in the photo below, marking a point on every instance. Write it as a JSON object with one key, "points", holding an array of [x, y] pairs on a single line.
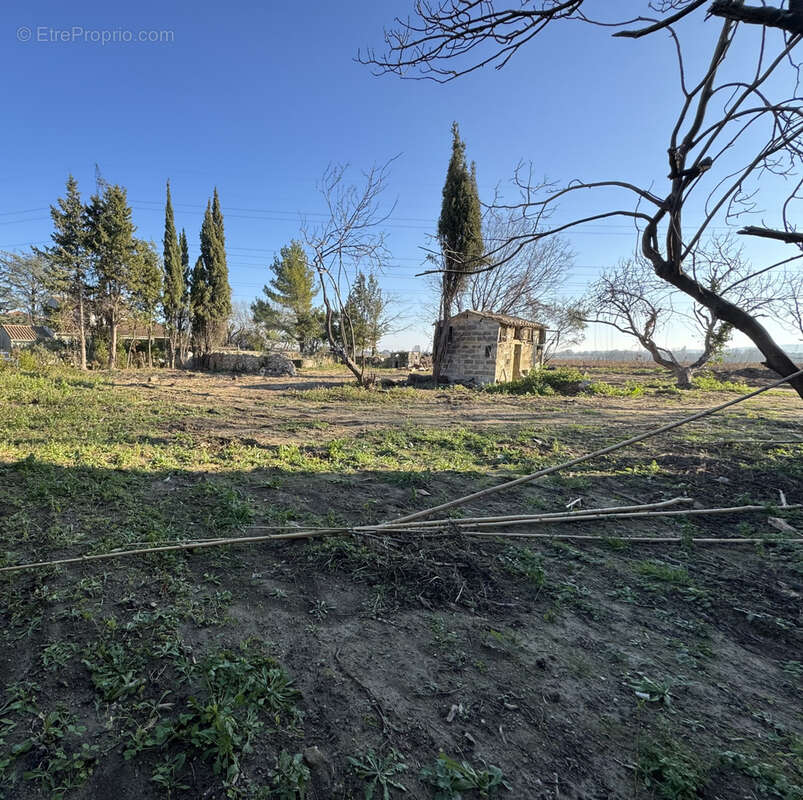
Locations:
{"points": [[217, 217], [213, 251], [184, 319], [199, 311], [69, 267], [173, 279], [459, 235], [210, 297]]}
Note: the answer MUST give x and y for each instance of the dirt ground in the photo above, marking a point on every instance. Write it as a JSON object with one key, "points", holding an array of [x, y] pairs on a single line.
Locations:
{"points": [[579, 669]]}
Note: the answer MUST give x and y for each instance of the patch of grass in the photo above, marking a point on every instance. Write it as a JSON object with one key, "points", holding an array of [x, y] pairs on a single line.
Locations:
{"points": [[669, 770], [661, 571], [239, 694], [351, 393], [706, 382], [524, 562], [770, 779]]}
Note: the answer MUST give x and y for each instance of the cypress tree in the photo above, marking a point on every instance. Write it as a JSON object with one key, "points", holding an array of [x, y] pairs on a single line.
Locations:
{"points": [[459, 235], [460, 223], [217, 217], [213, 252], [199, 311], [184, 317], [174, 287]]}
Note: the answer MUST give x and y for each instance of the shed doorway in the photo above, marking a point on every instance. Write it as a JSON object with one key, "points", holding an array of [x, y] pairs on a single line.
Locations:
{"points": [[516, 361]]}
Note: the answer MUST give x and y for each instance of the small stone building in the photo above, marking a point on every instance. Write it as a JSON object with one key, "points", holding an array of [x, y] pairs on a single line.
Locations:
{"points": [[403, 359], [484, 347]]}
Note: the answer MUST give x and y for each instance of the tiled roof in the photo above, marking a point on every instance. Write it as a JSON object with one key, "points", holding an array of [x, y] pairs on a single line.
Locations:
{"points": [[128, 329], [504, 319], [20, 333]]}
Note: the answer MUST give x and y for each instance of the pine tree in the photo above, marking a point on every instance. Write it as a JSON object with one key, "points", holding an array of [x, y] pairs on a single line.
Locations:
{"points": [[173, 280], [459, 234], [146, 288], [68, 273], [365, 315], [112, 248], [292, 291]]}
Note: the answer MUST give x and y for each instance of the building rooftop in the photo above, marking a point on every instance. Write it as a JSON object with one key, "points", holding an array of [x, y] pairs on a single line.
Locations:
{"points": [[20, 333], [503, 319]]}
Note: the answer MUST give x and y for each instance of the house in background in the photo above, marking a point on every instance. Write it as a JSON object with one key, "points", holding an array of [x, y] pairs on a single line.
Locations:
{"points": [[13, 337], [484, 347], [402, 359]]}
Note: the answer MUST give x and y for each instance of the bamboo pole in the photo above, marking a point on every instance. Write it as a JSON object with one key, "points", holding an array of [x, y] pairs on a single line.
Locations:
{"points": [[301, 533], [492, 522], [460, 501], [310, 533], [553, 514]]}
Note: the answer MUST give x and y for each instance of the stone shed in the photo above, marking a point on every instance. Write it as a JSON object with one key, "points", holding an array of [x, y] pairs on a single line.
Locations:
{"points": [[403, 359], [484, 347]]}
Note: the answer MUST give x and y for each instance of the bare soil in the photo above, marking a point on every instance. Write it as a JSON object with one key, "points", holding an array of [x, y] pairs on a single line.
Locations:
{"points": [[530, 656]]}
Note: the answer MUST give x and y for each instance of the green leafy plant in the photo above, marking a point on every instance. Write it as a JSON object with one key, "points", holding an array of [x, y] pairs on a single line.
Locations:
{"points": [[290, 777], [450, 778], [378, 771], [670, 771], [650, 691]]}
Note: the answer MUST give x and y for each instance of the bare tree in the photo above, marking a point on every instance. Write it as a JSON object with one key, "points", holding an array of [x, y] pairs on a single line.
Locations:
{"points": [[349, 241], [23, 282], [738, 125], [526, 278], [790, 305], [566, 326], [633, 300]]}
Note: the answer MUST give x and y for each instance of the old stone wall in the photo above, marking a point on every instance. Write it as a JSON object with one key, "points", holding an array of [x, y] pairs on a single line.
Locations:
{"points": [[505, 358], [252, 363], [471, 353]]}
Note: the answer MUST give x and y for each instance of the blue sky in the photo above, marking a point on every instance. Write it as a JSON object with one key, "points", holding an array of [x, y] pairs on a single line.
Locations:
{"points": [[257, 99]]}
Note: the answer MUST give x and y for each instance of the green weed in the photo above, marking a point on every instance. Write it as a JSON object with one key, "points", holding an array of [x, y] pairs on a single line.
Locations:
{"points": [[449, 778], [378, 772]]}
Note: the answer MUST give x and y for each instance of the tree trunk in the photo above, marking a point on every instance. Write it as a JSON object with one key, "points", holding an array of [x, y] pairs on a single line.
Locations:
{"points": [[340, 349], [683, 376], [441, 341], [776, 358], [81, 331], [150, 339], [112, 343]]}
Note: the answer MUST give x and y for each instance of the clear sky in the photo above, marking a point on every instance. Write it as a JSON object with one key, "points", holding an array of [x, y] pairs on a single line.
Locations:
{"points": [[257, 99]]}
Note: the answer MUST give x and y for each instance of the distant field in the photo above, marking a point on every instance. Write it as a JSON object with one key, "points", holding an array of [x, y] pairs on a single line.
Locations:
{"points": [[578, 669]]}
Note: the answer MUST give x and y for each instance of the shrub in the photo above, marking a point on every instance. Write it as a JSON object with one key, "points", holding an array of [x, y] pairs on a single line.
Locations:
{"points": [[563, 380]]}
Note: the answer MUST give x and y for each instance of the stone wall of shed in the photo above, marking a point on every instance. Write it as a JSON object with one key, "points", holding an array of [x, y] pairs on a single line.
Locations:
{"points": [[504, 358], [466, 359]]}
